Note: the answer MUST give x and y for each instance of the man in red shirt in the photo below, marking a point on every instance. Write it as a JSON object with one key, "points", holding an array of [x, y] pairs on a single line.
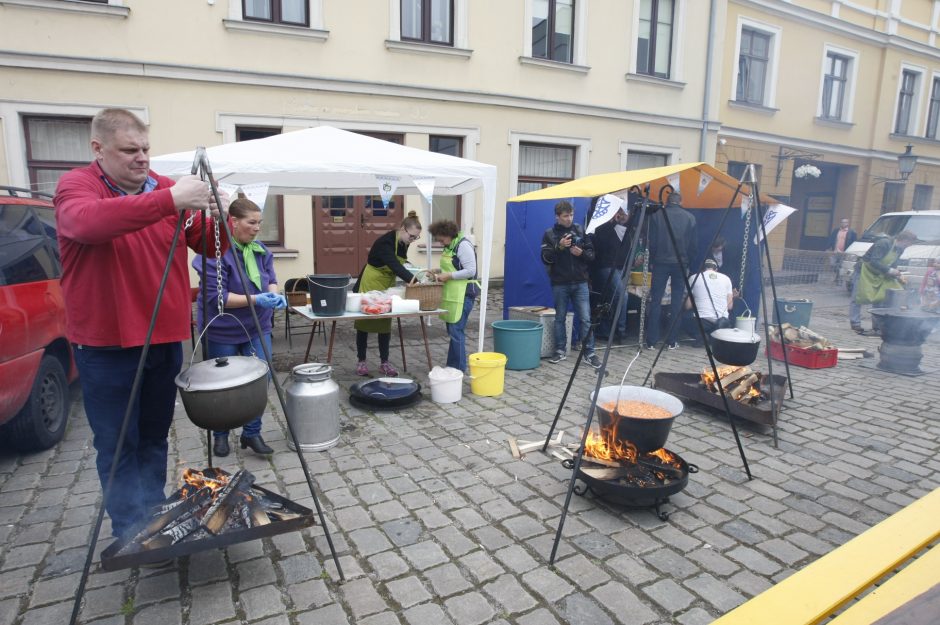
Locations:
{"points": [[116, 219], [839, 240]]}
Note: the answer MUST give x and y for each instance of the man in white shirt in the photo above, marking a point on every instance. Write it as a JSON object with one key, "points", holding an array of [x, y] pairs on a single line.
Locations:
{"points": [[713, 295]]}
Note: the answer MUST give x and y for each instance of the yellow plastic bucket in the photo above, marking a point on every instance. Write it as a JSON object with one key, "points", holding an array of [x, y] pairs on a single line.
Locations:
{"points": [[487, 370]]}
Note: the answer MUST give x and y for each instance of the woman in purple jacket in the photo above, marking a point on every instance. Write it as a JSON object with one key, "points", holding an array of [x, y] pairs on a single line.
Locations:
{"points": [[226, 337]]}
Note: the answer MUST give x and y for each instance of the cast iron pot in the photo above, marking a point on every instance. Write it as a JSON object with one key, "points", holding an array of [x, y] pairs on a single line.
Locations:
{"points": [[224, 393], [645, 434], [903, 326], [733, 346]]}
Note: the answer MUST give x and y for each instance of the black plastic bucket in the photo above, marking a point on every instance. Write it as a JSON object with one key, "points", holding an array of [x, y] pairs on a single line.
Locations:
{"points": [[328, 293]]}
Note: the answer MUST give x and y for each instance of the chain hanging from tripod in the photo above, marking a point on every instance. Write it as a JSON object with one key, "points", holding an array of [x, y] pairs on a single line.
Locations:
{"points": [[644, 238], [747, 233]]}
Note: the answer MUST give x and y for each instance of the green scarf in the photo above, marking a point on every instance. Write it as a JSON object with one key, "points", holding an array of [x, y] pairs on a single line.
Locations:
{"points": [[251, 260]]}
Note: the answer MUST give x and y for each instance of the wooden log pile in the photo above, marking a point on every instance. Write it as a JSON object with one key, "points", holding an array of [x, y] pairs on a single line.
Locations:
{"points": [[739, 383], [799, 337]]}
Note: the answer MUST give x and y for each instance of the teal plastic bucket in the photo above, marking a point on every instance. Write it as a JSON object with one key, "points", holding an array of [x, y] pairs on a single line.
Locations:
{"points": [[520, 341], [796, 312]]}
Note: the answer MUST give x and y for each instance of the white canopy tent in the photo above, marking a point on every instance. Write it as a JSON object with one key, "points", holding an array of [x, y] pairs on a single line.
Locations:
{"points": [[328, 161]]}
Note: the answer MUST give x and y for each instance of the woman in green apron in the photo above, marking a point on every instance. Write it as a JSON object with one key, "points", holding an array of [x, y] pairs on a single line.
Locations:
{"points": [[386, 260], [458, 272]]}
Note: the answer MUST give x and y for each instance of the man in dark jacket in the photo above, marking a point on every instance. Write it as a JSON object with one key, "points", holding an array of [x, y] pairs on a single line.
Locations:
{"points": [[664, 261], [611, 246], [567, 253]]}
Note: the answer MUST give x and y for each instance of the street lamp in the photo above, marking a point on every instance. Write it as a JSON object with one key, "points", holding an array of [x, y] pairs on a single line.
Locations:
{"points": [[906, 162]]}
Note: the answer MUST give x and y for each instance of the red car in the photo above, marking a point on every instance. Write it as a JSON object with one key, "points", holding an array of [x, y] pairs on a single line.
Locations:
{"points": [[36, 363]]}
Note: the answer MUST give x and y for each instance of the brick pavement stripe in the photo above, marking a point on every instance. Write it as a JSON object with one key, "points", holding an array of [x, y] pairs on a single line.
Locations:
{"points": [[427, 614], [261, 602], [408, 591], [298, 568], [211, 604], [510, 595], [471, 608], [310, 594], [578, 609], [257, 572], [424, 555], [332, 614], [447, 580], [362, 599]]}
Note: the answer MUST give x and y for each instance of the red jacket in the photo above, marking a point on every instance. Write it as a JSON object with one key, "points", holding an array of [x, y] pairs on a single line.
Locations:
{"points": [[114, 249]]}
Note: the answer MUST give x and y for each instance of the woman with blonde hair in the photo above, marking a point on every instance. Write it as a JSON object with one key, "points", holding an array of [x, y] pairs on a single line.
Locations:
{"points": [[385, 262]]}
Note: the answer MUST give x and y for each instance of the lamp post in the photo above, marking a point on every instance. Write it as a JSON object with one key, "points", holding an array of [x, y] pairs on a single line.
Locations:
{"points": [[906, 162]]}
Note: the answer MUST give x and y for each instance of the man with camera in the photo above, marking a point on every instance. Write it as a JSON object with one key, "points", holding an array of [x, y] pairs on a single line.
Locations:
{"points": [[567, 254]]}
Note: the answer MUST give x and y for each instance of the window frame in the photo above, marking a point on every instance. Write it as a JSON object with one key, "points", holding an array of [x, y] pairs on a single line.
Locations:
{"points": [[279, 199], [652, 41], [544, 181], [550, 30], [920, 191], [458, 200], [426, 23], [775, 34], [933, 110], [894, 191], [833, 103], [32, 164], [276, 10], [913, 112]]}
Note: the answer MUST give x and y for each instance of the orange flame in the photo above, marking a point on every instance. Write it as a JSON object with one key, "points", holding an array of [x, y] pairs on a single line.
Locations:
{"points": [[194, 480], [606, 446]]}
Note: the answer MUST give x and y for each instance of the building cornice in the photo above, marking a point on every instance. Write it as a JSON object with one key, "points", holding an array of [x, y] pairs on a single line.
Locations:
{"points": [[839, 27], [118, 67], [825, 147], [71, 6]]}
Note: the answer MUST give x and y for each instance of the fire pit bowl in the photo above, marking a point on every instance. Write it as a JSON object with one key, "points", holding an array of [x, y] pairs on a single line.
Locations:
{"points": [[646, 434], [905, 327]]}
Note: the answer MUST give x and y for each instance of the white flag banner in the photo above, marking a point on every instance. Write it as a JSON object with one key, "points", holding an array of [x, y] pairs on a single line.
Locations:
{"points": [[703, 181], [674, 181], [257, 192], [387, 186], [745, 205], [425, 188], [605, 209], [773, 216]]}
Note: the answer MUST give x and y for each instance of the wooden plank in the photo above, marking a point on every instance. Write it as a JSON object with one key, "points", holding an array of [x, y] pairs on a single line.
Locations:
{"points": [[514, 448], [917, 578], [810, 595]]}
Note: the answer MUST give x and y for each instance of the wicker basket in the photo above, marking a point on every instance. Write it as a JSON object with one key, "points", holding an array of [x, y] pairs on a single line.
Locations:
{"points": [[296, 298], [428, 295]]}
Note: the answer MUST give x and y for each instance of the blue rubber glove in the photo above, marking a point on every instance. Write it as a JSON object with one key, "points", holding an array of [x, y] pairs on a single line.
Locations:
{"points": [[268, 300], [281, 301]]}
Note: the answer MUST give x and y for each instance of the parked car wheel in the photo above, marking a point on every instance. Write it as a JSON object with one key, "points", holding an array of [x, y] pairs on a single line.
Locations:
{"points": [[41, 422]]}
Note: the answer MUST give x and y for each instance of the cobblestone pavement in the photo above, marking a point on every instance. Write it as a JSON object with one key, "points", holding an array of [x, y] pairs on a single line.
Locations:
{"points": [[436, 523]]}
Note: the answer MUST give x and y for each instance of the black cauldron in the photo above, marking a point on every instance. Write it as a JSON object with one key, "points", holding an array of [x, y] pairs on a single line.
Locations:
{"points": [[385, 393], [900, 326]]}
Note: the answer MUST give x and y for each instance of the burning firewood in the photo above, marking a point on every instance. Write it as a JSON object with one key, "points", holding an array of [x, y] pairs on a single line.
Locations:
{"points": [[728, 375], [225, 501], [744, 386]]}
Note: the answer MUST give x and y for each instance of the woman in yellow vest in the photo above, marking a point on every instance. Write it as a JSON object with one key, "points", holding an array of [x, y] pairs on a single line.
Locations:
{"points": [[458, 272], [385, 261]]}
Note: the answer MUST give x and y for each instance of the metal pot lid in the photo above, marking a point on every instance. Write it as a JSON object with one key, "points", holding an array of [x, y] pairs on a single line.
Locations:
{"points": [[312, 372], [222, 373], [734, 335]]}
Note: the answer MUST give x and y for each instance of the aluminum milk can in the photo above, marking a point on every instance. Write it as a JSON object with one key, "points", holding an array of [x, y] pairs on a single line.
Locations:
{"points": [[313, 407]]}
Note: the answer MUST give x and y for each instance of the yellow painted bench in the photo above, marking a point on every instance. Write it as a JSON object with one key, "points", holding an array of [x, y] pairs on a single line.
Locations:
{"points": [[819, 590]]}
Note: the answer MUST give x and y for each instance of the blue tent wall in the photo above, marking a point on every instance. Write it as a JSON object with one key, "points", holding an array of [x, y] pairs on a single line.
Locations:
{"points": [[527, 283]]}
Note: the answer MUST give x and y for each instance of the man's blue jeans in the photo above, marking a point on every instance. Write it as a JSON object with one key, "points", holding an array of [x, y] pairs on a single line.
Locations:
{"points": [[107, 376], [606, 324], [661, 273], [457, 351], [578, 295], [252, 428]]}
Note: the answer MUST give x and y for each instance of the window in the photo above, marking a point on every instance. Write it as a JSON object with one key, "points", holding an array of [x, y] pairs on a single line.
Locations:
{"points": [[430, 21], [753, 66], [645, 160], [293, 12], [28, 251], [55, 145], [553, 30], [654, 44], [923, 194], [272, 231], [543, 166], [447, 206], [834, 86], [891, 197], [736, 170], [906, 95], [933, 114]]}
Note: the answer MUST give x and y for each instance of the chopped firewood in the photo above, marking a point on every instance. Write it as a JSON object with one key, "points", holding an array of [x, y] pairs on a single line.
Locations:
{"points": [[601, 461], [741, 389], [225, 502], [514, 448], [728, 375], [558, 454], [527, 446], [605, 473]]}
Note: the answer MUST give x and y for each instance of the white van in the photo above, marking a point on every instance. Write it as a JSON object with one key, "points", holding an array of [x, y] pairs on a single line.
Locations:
{"points": [[925, 224]]}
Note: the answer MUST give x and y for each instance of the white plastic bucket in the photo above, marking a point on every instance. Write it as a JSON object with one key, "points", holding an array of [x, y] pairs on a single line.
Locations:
{"points": [[746, 323], [446, 384]]}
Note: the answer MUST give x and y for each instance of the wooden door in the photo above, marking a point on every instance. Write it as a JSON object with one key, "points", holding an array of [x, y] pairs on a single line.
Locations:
{"points": [[346, 226]]}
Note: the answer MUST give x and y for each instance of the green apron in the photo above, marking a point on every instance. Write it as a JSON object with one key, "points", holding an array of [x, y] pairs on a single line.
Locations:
{"points": [[455, 291], [377, 279], [873, 286]]}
